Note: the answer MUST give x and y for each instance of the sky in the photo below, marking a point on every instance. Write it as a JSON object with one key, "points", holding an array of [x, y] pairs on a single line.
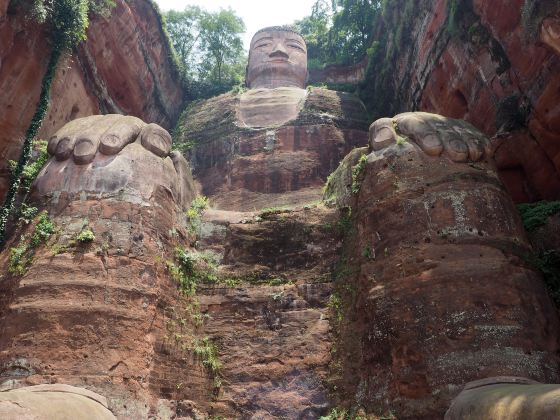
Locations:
{"points": [[256, 14]]}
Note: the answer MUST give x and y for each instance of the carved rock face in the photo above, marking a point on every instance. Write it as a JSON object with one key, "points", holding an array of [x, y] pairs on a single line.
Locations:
{"points": [[525, 398], [108, 154], [268, 108], [442, 292], [271, 147], [277, 58], [53, 401], [435, 135], [116, 175]]}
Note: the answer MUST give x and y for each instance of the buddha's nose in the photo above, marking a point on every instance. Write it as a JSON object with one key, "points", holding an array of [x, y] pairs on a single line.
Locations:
{"points": [[278, 51]]}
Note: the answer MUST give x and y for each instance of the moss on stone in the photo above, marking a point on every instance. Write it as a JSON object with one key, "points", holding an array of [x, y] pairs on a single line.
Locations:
{"points": [[344, 180], [535, 215]]}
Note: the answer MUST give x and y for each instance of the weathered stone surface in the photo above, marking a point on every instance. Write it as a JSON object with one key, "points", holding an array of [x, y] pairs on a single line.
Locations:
{"points": [[438, 292], [101, 308], [272, 327], [135, 76], [277, 58], [457, 140], [270, 107], [550, 33], [137, 168], [277, 163], [353, 74], [504, 398], [124, 67], [53, 402], [490, 71]]}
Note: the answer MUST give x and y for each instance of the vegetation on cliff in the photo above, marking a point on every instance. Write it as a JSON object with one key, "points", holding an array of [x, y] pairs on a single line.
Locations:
{"points": [[535, 215], [345, 32], [339, 32], [546, 258], [67, 21], [21, 255], [209, 49]]}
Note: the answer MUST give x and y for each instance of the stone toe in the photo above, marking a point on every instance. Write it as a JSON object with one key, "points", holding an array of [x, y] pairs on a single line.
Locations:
{"points": [[156, 139], [476, 149], [382, 134], [123, 132], [457, 150], [64, 148], [85, 150], [431, 144]]}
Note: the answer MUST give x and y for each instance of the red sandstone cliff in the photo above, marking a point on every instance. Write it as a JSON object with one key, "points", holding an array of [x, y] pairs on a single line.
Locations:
{"points": [[124, 67], [483, 65]]}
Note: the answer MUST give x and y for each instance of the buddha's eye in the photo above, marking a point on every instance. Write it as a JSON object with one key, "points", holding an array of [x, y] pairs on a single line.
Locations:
{"points": [[264, 44], [296, 47]]}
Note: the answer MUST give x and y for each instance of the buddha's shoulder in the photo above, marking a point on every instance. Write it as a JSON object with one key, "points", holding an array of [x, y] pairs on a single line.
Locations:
{"points": [[344, 108], [209, 114]]}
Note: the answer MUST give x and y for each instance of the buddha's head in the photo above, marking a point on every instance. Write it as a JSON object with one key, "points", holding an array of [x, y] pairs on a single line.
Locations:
{"points": [[277, 57]]}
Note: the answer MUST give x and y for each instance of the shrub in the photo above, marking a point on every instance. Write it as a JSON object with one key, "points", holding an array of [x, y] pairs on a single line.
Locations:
{"points": [[21, 256], [43, 230], [208, 352], [548, 263], [191, 268], [535, 215], [195, 211], [85, 236], [31, 170], [27, 213], [269, 211], [357, 173], [19, 260], [336, 306]]}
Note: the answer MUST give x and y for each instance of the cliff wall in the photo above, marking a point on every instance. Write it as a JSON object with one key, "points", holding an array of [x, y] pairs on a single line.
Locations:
{"points": [[495, 64], [123, 67]]}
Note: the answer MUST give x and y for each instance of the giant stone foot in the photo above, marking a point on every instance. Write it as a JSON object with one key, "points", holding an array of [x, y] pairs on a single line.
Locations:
{"points": [[442, 294], [105, 154], [92, 314], [53, 402], [434, 134], [506, 398]]}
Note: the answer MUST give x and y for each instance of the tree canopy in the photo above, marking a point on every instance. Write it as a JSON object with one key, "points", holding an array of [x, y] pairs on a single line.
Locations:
{"points": [[209, 49], [339, 31]]}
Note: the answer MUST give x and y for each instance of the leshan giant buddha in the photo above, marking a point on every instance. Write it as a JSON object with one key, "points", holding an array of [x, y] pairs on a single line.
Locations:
{"points": [[277, 142]]}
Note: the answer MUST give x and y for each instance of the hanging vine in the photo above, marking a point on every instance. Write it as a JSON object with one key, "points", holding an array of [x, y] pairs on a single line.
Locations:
{"points": [[67, 21]]}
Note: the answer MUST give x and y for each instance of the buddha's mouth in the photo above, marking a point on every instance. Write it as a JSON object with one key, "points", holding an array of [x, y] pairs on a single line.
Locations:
{"points": [[279, 60]]}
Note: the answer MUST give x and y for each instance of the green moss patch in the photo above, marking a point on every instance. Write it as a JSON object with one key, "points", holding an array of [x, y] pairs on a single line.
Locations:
{"points": [[535, 215]]}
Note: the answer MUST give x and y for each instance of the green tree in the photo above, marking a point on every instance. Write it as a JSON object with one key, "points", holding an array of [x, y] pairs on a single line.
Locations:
{"points": [[221, 46], [184, 32], [315, 30], [352, 29], [339, 31], [209, 49]]}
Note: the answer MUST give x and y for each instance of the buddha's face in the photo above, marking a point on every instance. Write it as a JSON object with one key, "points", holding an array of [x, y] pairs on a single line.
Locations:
{"points": [[277, 58]]}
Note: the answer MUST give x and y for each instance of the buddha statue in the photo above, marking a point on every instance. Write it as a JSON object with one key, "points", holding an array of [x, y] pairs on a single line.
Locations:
{"points": [[276, 143], [278, 58], [276, 75], [425, 273]]}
